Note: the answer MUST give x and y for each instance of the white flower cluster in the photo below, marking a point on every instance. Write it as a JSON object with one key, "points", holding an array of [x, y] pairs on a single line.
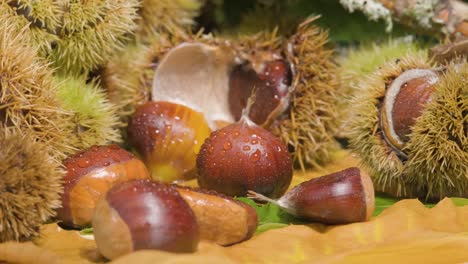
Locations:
{"points": [[371, 8]]}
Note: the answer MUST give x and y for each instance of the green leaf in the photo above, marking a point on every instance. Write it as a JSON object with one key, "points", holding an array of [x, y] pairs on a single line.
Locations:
{"points": [[382, 202], [271, 216], [459, 201], [87, 231]]}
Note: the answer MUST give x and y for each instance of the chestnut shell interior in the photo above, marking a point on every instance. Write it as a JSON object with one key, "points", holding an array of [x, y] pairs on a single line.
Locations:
{"points": [[214, 80]]}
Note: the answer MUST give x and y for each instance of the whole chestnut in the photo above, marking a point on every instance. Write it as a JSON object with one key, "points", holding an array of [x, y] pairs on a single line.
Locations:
{"points": [[168, 136], [242, 157], [89, 174], [144, 214], [342, 197]]}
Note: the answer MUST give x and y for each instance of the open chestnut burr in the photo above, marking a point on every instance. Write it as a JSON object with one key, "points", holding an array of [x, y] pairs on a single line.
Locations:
{"points": [[295, 77]]}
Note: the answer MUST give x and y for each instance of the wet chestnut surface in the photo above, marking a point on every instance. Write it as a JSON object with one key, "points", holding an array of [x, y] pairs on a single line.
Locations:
{"points": [[272, 84], [242, 157], [156, 215]]}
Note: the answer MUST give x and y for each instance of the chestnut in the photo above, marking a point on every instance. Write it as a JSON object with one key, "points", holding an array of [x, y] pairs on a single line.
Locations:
{"points": [[242, 157], [404, 102], [89, 174], [144, 214], [342, 197], [272, 80], [168, 136]]}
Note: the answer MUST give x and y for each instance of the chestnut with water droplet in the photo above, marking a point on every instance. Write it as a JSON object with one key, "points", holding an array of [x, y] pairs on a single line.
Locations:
{"points": [[242, 157], [144, 214], [342, 197], [271, 79], [168, 136], [90, 174]]}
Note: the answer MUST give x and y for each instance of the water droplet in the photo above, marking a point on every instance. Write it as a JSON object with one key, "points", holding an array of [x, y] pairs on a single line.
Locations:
{"points": [[227, 145], [83, 163], [276, 97], [236, 134], [177, 117], [210, 150], [195, 142], [279, 149], [254, 135], [246, 148], [255, 156], [172, 142], [144, 114], [106, 163], [156, 131], [254, 141]]}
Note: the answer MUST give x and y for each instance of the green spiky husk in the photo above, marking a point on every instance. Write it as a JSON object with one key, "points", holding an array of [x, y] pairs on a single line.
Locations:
{"points": [[27, 91], [313, 117], [93, 120], [76, 36], [167, 16], [431, 171], [30, 185]]}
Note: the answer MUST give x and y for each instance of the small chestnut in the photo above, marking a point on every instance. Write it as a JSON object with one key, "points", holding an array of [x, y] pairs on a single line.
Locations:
{"points": [[242, 157], [144, 214], [168, 136], [222, 219], [89, 174], [342, 197], [404, 102]]}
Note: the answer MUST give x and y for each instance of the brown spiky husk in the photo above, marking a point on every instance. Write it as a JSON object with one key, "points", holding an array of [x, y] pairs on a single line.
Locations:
{"points": [[30, 185], [313, 116], [27, 92], [436, 151], [438, 148], [76, 36]]}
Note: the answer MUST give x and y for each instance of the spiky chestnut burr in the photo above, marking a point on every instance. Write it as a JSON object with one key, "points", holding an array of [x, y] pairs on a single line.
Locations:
{"points": [[27, 100], [168, 136], [89, 175], [143, 214], [222, 219], [76, 36], [342, 197], [205, 65], [167, 16], [92, 119], [400, 150], [30, 185]]}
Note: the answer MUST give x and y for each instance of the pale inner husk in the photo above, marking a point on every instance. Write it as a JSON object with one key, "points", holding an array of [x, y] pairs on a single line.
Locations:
{"points": [[196, 75]]}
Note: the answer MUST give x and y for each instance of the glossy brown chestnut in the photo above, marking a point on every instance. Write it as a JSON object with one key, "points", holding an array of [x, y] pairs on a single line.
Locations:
{"points": [[144, 214], [222, 219], [242, 157], [168, 136], [272, 81], [90, 174], [404, 102], [339, 198]]}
